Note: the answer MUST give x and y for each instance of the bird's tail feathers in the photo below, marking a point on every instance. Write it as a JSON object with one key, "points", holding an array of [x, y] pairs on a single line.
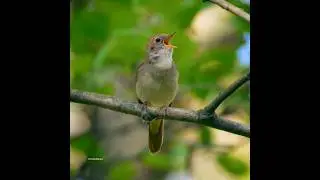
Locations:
{"points": [[156, 133]]}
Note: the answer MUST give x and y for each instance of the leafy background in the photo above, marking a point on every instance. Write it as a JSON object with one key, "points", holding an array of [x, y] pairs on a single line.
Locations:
{"points": [[108, 39]]}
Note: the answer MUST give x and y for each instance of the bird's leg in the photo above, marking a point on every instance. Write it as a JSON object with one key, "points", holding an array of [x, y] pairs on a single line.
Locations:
{"points": [[164, 110], [146, 117]]}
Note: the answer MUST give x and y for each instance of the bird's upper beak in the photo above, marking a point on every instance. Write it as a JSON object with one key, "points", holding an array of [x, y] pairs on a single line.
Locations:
{"points": [[167, 41]]}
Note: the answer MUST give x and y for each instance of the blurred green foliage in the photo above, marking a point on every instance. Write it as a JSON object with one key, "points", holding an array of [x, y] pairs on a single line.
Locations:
{"points": [[233, 164], [88, 144], [115, 33], [178, 156], [158, 161], [108, 38], [205, 136], [124, 171]]}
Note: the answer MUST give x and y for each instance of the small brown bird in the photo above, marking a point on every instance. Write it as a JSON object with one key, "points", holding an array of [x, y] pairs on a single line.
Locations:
{"points": [[157, 84]]}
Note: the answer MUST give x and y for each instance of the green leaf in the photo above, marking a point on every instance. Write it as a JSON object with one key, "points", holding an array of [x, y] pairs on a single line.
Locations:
{"points": [[81, 64], [184, 55], [178, 155], [201, 92], [83, 142], [157, 161], [79, 5], [120, 54], [88, 145], [233, 165], [120, 14], [205, 136], [73, 172], [122, 2], [123, 171], [209, 67], [241, 25], [243, 93], [88, 31], [245, 7], [167, 8], [187, 14], [108, 88]]}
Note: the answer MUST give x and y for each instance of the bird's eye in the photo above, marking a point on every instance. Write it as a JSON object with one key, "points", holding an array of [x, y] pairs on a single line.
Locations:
{"points": [[158, 40]]}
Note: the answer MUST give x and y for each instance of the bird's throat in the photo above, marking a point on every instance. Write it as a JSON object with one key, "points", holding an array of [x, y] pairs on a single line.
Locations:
{"points": [[163, 63]]}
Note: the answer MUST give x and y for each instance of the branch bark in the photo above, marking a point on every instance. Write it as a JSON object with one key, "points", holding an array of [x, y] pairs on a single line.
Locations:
{"points": [[232, 8], [200, 117], [225, 94]]}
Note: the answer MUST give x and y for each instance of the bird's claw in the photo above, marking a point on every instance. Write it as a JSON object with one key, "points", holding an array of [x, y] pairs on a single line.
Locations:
{"points": [[145, 123], [145, 115], [164, 111]]}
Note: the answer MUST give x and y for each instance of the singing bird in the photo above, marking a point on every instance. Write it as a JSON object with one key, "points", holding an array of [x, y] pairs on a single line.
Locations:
{"points": [[157, 84]]}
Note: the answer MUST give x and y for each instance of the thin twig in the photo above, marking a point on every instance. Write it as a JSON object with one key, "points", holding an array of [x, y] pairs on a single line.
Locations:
{"points": [[198, 117], [225, 94], [232, 8]]}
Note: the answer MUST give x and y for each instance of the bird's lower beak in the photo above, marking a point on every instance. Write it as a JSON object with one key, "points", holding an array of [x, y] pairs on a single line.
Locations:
{"points": [[167, 41]]}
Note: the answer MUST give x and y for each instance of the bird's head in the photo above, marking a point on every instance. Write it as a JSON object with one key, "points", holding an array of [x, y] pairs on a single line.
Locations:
{"points": [[160, 51]]}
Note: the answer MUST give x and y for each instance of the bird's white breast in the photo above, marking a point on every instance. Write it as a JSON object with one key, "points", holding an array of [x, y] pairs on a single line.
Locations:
{"points": [[157, 92]]}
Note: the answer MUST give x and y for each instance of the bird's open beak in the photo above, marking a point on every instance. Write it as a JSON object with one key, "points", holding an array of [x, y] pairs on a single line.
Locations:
{"points": [[167, 41]]}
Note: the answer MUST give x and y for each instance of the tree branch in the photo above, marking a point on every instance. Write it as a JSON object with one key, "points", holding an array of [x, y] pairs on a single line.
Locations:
{"points": [[198, 117], [225, 94], [232, 8]]}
